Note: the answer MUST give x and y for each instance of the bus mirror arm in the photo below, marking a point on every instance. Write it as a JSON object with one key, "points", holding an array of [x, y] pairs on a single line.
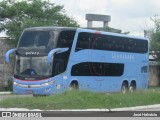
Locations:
{"points": [[62, 50], [8, 54], [56, 50]]}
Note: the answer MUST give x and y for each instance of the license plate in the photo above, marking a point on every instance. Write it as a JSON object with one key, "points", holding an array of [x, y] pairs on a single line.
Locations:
{"points": [[29, 91]]}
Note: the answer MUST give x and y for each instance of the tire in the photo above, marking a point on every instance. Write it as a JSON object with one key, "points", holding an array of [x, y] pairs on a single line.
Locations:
{"points": [[74, 86], [124, 88], [132, 88], [35, 95]]}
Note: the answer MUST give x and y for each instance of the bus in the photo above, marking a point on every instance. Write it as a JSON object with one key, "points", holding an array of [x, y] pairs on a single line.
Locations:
{"points": [[51, 60]]}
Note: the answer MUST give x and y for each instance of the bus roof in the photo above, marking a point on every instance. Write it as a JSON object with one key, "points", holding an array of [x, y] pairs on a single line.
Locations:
{"points": [[51, 28], [112, 34], [85, 30]]}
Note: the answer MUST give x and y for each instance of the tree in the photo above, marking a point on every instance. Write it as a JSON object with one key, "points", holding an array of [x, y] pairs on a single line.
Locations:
{"points": [[18, 15], [154, 36]]}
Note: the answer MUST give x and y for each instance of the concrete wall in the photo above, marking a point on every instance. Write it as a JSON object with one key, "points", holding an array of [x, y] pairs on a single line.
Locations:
{"points": [[154, 75], [6, 69], [97, 17]]}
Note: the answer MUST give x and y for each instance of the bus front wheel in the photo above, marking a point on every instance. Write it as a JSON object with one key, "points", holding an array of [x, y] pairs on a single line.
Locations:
{"points": [[74, 85]]}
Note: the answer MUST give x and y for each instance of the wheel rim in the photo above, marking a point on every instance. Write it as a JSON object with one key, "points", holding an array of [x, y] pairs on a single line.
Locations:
{"points": [[131, 89], [124, 88], [74, 86]]}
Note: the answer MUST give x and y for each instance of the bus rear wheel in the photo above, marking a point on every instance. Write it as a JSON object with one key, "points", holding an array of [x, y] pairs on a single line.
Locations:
{"points": [[132, 87], [124, 88]]}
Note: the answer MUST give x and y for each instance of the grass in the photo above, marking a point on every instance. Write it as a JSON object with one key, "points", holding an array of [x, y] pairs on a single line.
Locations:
{"points": [[84, 100]]}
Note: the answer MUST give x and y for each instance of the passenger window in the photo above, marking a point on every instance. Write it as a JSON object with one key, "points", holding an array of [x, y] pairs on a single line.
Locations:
{"points": [[66, 39]]}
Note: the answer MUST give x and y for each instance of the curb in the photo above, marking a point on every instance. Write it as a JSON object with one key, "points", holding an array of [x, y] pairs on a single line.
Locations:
{"points": [[137, 108], [5, 93]]}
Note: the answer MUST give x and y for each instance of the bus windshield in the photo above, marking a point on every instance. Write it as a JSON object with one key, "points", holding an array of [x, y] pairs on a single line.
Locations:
{"points": [[33, 67], [38, 39]]}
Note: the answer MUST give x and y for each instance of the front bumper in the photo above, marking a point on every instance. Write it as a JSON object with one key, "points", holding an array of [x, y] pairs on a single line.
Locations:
{"points": [[46, 90]]}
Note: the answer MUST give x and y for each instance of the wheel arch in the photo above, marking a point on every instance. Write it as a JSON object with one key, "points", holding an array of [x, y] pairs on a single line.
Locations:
{"points": [[133, 82], [74, 83], [126, 82]]}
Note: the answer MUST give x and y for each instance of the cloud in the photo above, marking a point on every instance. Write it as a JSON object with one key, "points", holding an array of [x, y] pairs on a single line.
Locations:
{"points": [[83, 6], [127, 15], [133, 8], [133, 15], [78, 9]]}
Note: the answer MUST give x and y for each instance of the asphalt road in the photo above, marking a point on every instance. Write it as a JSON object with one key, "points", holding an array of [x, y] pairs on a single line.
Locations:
{"points": [[152, 109]]}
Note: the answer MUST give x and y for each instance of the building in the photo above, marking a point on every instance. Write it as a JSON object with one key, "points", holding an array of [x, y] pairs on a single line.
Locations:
{"points": [[102, 18], [154, 70]]}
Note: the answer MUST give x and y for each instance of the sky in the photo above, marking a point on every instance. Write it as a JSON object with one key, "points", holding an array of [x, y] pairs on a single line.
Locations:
{"points": [[127, 15]]}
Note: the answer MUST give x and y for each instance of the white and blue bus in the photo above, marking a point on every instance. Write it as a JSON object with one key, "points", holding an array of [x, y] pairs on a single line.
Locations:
{"points": [[51, 60]]}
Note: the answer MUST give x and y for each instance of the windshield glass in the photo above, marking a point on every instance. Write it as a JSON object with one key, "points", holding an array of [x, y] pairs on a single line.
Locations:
{"points": [[32, 66], [38, 39]]}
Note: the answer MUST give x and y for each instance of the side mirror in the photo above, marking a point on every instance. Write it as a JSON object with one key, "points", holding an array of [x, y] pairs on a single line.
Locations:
{"points": [[8, 54], [56, 50]]}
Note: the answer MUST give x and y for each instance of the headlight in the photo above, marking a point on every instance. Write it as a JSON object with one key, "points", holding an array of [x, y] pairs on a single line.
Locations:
{"points": [[15, 83], [47, 83]]}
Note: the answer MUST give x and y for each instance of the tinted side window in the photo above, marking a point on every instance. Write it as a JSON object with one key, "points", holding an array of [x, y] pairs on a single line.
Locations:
{"points": [[144, 69], [83, 41], [114, 43], [65, 39], [97, 69], [111, 43], [60, 60]]}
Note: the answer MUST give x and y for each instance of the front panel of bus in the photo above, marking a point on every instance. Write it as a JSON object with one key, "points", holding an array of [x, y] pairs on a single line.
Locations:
{"points": [[33, 72]]}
